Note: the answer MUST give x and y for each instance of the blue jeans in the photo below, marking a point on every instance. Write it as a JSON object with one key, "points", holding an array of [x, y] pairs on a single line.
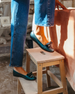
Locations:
{"points": [[44, 16]]}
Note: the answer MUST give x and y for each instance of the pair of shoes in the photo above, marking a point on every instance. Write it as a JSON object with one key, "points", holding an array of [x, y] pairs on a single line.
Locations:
{"points": [[44, 47], [29, 76]]}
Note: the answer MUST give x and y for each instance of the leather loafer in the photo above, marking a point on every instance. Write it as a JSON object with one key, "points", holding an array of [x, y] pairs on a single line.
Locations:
{"points": [[44, 47], [29, 76]]}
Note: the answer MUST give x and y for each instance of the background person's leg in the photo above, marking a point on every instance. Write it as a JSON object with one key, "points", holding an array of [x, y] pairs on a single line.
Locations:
{"points": [[19, 14]]}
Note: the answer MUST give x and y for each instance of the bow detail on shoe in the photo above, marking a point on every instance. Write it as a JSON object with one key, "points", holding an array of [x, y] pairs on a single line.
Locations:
{"points": [[30, 75], [49, 45]]}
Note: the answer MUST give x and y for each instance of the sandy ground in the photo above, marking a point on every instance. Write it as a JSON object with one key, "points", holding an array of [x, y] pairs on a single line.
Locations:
{"points": [[8, 83]]}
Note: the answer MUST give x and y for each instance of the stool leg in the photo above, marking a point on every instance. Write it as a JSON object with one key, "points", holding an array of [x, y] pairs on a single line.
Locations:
{"points": [[63, 77], [39, 78], [48, 78], [27, 62], [19, 87]]}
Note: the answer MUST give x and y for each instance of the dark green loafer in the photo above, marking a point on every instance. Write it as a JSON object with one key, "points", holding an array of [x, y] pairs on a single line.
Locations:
{"points": [[44, 47], [29, 76]]}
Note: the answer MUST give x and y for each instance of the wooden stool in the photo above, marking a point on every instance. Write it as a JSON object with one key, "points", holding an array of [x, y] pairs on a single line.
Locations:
{"points": [[43, 59]]}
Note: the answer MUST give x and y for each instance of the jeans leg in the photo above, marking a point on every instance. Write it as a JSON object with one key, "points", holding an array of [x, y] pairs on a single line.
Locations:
{"points": [[19, 14], [44, 12]]}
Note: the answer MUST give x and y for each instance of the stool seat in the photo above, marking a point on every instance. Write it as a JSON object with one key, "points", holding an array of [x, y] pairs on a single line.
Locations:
{"points": [[41, 56], [43, 59]]}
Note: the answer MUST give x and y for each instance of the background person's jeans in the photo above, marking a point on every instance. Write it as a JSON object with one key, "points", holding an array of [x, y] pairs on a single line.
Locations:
{"points": [[44, 16]]}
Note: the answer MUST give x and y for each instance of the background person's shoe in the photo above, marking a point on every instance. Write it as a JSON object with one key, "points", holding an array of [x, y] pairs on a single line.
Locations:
{"points": [[44, 47], [29, 76]]}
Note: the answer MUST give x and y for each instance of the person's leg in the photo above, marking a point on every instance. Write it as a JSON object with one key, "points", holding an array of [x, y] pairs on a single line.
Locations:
{"points": [[45, 11], [44, 16], [19, 14]]}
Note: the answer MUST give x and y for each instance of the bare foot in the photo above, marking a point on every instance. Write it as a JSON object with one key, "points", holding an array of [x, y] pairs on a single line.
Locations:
{"points": [[40, 35], [20, 70]]}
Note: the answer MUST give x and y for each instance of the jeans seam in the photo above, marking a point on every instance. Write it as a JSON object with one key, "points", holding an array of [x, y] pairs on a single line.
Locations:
{"points": [[13, 33]]}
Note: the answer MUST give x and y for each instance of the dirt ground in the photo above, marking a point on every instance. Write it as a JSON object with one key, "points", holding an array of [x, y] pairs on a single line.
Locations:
{"points": [[8, 83]]}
